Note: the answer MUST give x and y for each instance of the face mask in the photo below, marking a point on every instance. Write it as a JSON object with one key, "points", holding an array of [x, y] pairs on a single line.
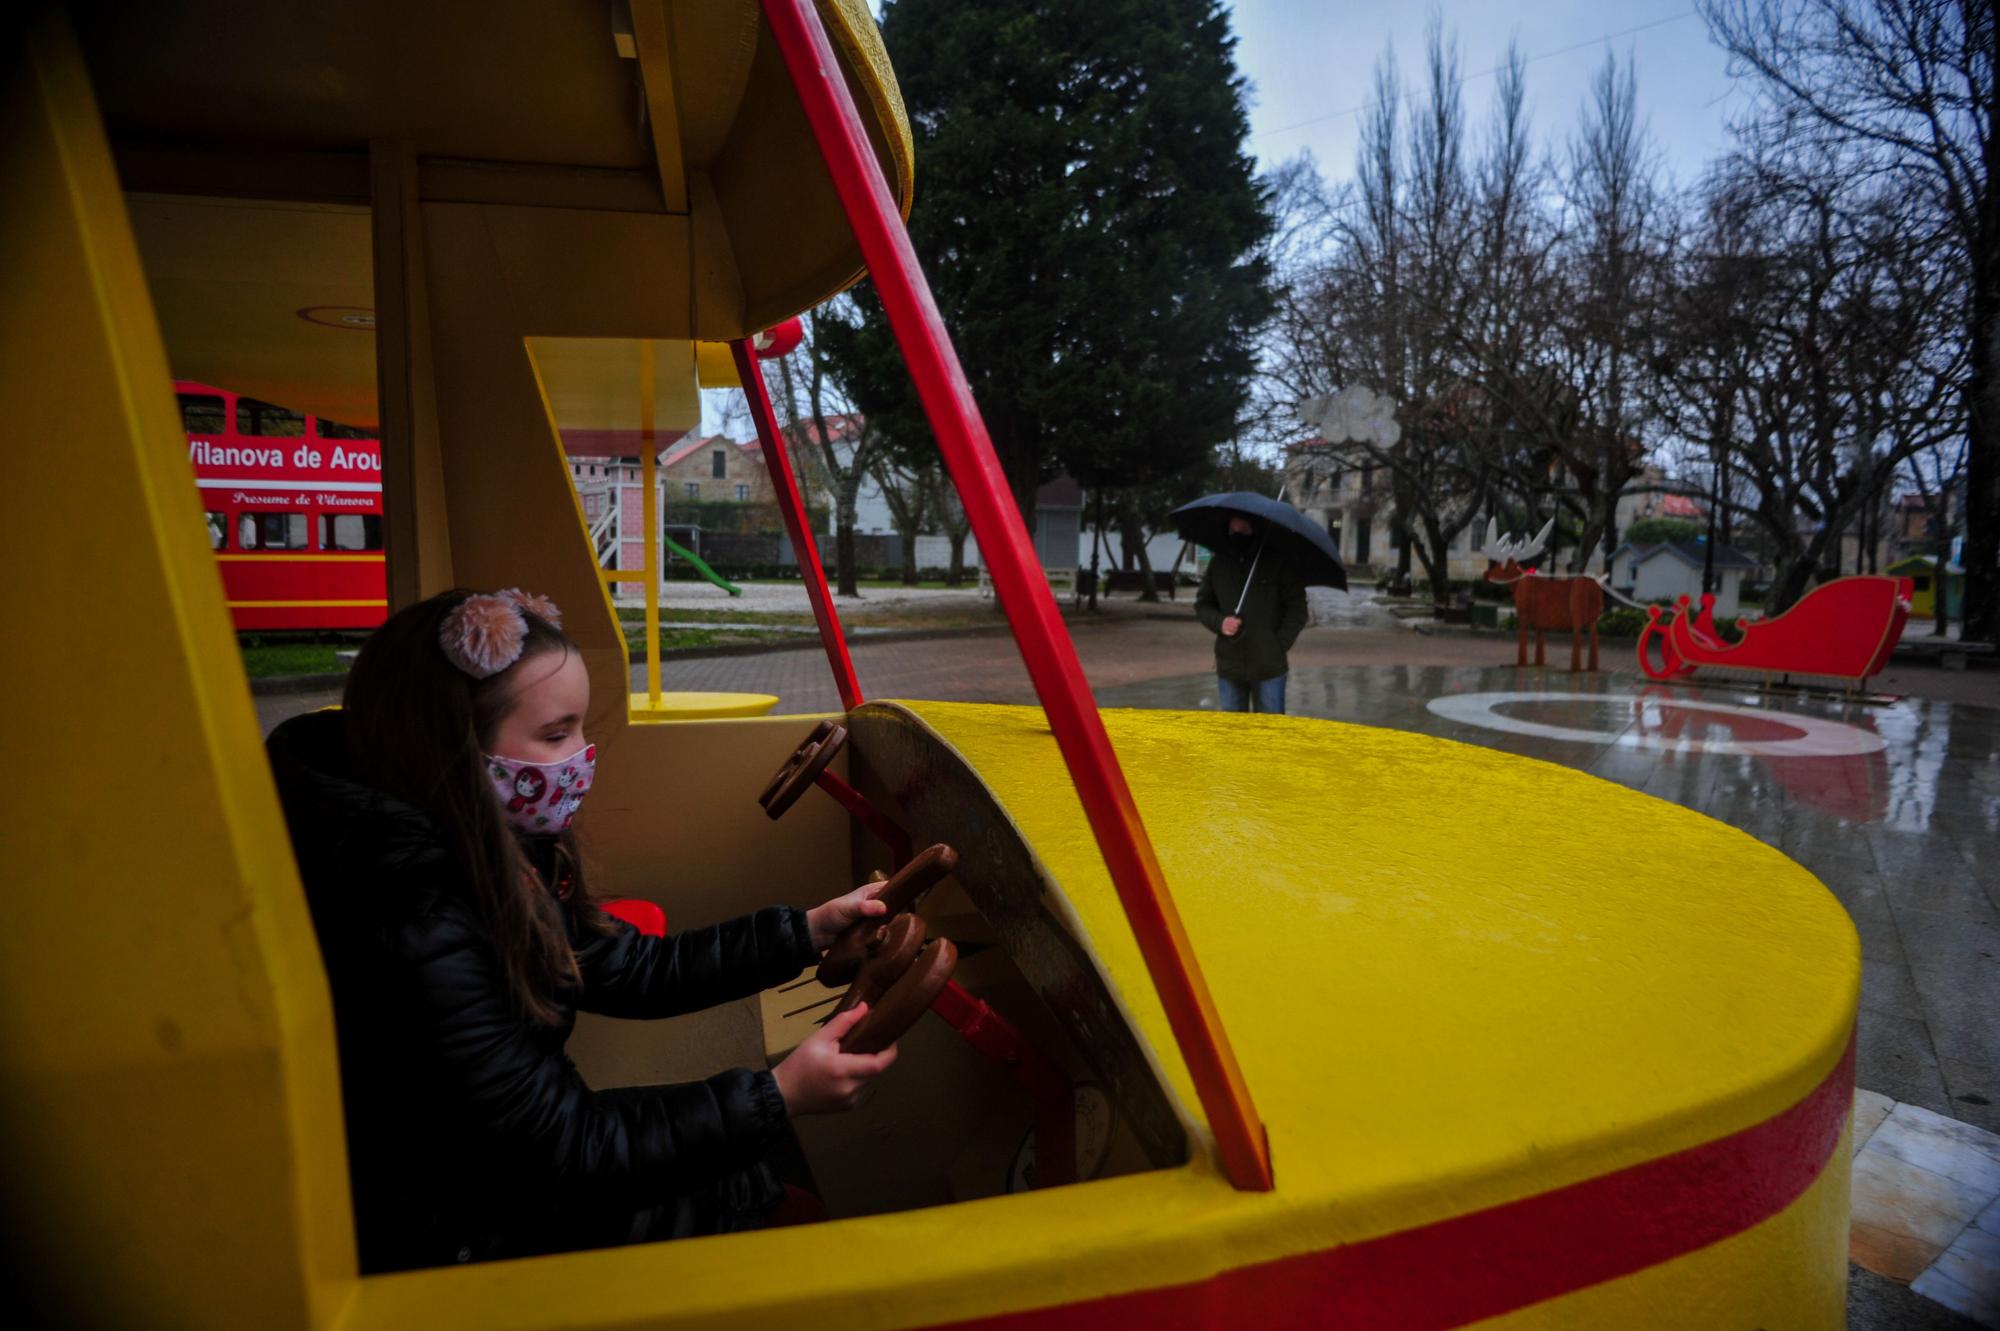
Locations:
{"points": [[1242, 540], [540, 799]]}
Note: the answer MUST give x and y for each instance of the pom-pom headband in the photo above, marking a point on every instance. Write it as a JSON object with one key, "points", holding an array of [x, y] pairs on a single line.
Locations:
{"points": [[483, 634]]}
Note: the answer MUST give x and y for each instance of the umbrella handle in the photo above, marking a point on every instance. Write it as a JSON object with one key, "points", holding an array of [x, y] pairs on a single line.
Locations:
{"points": [[1238, 611]]}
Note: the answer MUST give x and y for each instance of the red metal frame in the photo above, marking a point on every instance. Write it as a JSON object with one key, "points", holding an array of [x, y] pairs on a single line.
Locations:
{"points": [[994, 1038], [852, 800], [1022, 589], [796, 525]]}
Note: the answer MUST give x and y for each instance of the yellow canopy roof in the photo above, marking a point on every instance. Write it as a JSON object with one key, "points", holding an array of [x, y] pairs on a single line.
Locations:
{"points": [[644, 168]]}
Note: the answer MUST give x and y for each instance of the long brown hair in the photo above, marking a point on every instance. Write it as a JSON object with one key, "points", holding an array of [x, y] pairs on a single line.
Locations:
{"points": [[419, 728]]}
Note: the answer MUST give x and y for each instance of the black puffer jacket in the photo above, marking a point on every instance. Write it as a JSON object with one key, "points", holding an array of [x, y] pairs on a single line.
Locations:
{"points": [[470, 1133]]}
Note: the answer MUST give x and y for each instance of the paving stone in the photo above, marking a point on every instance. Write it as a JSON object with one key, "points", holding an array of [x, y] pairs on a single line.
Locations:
{"points": [[1881, 940], [1961, 997], [1929, 936], [1876, 1303], [1887, 987], [1893, 1055], [1902, 855], [1905, 1216], [1858, 887], [1960, 1151], [1870, 1109], [1974, 1089], [1960, 895], [1966, 1278]]}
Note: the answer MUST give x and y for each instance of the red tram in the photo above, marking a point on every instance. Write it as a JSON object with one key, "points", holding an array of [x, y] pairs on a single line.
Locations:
{"points": [[294, 508]]}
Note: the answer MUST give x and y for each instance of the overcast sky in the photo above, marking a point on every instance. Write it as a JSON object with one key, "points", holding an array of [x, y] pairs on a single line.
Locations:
{"points": [[1311, 64]]}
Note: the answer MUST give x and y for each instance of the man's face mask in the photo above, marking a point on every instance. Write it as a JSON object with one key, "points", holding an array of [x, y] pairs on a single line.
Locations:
{"points": [[540, 799]]}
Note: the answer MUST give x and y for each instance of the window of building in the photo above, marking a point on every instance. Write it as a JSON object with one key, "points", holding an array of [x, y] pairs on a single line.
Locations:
{"points": [[271, 531], [694, 489], [718, 463], [742, 493], [350, 531], [267, 419], [218, 530], [335, 430], [203, 413]]}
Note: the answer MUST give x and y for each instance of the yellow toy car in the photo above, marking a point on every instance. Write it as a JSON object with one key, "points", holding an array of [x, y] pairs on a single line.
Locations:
{"points": [[1362, 1028]]}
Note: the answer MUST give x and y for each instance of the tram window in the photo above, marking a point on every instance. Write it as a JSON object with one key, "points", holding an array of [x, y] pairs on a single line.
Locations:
{"points": [[350, 531], [335, 430], [218, 530], [203, 413], [271, 531], [267, 419]]}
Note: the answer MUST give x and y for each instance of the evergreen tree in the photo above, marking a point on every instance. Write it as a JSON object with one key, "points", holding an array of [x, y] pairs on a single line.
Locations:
{"points": [[1091, 228]]}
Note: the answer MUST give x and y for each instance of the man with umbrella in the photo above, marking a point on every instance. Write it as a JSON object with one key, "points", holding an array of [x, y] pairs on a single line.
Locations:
{"points": [[1253, 596]]}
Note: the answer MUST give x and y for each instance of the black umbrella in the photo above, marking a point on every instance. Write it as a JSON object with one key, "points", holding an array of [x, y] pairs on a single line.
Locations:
{"points": [[1286, 531]]}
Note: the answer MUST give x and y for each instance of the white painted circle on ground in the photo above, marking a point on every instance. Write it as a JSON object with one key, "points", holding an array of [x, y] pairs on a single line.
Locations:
{"points": [[1813, 737]]}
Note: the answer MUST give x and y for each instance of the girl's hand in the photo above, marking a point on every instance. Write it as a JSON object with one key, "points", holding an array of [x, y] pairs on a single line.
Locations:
{"points": [[827, 921], [816, 1078]]}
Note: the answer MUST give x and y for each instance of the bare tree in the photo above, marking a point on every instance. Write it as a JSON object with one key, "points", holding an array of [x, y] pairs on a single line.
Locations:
{"points": [[1804, 346], [1614, 260], [909, 488], [950, 512], [1380, 302], [842, 450], [1907, 89]]}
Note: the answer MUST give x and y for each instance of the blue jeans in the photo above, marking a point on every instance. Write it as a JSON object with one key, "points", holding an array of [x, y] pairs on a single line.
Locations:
{"points": [[1268, 694]]}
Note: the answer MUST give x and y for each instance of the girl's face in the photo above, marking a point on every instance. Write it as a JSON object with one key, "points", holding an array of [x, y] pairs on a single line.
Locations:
{"points": [[544, 719]]}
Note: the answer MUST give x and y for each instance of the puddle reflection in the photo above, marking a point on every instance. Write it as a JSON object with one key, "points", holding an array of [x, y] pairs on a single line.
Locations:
{"points": [[1913, 765]]}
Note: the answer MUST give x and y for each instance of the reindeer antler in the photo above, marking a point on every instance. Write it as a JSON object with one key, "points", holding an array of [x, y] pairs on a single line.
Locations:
{"points": [[1500, 549]]}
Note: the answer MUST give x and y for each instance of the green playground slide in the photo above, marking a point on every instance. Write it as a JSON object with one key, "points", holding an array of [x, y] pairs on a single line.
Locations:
{"points": [[675, 547]]}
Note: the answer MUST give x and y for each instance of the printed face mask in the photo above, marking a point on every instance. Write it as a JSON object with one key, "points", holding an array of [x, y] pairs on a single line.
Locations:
{"points": [[542, 798]]}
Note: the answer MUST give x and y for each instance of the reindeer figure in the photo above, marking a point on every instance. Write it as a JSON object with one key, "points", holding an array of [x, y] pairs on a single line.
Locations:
{"points": [[1543, 603]]}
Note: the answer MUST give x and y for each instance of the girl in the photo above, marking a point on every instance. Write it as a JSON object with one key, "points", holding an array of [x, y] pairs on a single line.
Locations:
{"points": [[431, 819]]}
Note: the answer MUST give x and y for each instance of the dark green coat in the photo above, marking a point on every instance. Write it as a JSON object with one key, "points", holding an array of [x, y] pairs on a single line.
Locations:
{"points": [[1273, 614]]}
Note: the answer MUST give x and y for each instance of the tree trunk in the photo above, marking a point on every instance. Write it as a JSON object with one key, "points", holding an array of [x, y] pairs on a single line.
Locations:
{"points": [[1981, 612], [1435, 555], [843, 540], [955, 575], [1940, 613], [1096, 544], [1795, 577], [1147, 591], [909, 557], [1399, 532]]}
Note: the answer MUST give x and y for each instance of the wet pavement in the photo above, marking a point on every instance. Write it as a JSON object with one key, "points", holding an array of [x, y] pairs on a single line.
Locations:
{"points": [[1895, 807]]}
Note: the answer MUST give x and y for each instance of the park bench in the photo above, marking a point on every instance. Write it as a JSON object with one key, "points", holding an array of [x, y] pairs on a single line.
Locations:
{"points": [[1132, 579], [1061, 581]]}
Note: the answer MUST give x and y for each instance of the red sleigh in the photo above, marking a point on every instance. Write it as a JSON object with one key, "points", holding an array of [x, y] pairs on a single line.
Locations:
{"points": [[1844, 629]]}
